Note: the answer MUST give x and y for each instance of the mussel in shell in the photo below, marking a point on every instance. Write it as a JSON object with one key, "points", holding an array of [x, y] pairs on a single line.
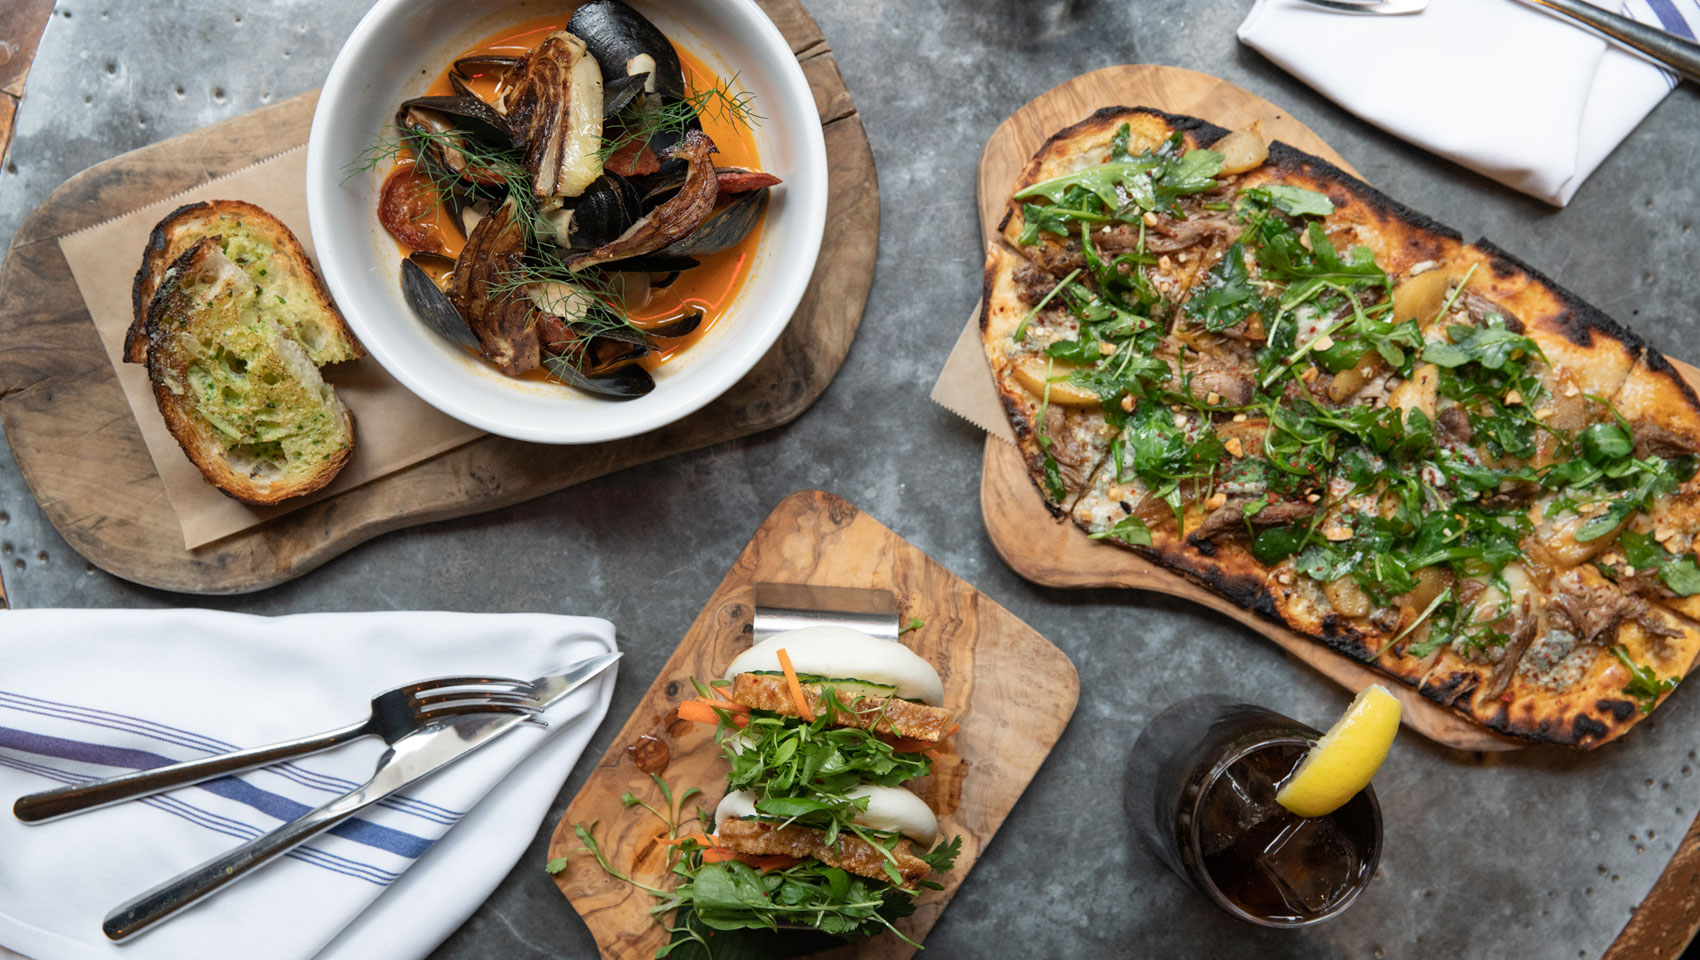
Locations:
{"points": [[725, 228], [462, 112], [430, 303], [619, 92], [671, 221], [607, 209], [680, 327], [626, 382], [625, 42]]}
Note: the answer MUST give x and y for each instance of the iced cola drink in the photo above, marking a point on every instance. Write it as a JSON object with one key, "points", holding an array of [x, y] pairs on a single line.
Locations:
{"points": [[1201, 790]]}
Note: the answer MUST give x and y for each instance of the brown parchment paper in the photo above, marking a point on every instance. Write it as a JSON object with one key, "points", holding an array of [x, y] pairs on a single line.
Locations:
{"points": [[965, 387], [392, 427]]}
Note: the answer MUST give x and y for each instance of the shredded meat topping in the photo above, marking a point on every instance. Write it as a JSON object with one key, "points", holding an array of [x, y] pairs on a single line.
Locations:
{"points": [[1652, 440], [854, 854], [1590, 608], [1230, 517]]}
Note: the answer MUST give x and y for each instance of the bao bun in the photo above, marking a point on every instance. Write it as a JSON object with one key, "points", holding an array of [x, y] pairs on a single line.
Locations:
{"points": [[846, 654], [890, 809]]}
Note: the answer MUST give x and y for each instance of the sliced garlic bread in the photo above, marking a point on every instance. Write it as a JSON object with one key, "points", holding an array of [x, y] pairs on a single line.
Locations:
{"points": [[268, 253], [243, 399]]}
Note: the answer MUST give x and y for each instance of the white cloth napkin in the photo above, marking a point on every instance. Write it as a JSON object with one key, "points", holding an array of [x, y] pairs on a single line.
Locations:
{"points": [[91, 693], [1517, 94]]}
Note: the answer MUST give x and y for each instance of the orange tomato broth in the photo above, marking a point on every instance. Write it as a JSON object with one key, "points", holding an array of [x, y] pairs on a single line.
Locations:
{"points": [[708, 287]]}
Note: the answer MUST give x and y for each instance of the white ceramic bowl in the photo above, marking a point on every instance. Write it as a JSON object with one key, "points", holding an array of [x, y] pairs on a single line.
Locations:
{"points": [[392, 56]]}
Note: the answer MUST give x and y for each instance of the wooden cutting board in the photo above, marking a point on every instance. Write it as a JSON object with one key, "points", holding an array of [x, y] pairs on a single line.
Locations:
{"points": [[1011, 690], [1059, 554], [77, 444]]}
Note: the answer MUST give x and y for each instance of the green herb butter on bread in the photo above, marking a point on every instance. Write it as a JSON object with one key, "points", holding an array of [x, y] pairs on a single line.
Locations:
{"points": [[233, 328]]}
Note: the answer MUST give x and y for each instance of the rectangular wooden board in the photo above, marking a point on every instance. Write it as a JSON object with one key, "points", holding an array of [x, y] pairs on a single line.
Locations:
{"points": [[1010, 689]]}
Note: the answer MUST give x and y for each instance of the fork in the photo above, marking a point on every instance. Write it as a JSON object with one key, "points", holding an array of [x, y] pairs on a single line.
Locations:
{"points": [[1667, 48], [395, 714]]}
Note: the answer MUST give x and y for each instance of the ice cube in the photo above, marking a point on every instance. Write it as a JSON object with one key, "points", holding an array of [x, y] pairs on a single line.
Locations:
{"points": [[1309, 862], [1240, 799]]}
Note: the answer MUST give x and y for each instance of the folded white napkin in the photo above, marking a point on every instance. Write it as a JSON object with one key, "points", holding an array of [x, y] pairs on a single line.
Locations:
{"points": [[92, 693], [1520, 95]]}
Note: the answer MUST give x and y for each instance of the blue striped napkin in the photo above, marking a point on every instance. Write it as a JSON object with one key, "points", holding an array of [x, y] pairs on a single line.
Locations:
{"points": [[1506, 89], [87, 694]]}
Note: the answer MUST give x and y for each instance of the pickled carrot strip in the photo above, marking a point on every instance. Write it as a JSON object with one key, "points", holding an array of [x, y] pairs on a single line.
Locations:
{"points": [[796, 687]]}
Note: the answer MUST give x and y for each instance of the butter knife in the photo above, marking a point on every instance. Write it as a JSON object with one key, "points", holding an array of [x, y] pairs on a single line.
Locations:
{"points": [[406, 761]]}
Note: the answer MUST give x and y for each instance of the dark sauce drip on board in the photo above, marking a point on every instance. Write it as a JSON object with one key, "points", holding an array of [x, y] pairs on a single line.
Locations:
{"points": [[651, 754], [1274, 864]]}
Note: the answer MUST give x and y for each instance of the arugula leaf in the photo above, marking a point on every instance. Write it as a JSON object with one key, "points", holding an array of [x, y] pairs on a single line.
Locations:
{"points": [[1603, 442], [1679, 572], [1294, 200], [1644, 685], [1101, 181], [1129, 530], [1278, 543], [1228, 297], [1490, 345]]}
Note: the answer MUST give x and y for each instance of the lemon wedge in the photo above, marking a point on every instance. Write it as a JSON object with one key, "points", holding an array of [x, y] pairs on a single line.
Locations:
{"points": [[1346, 757]]}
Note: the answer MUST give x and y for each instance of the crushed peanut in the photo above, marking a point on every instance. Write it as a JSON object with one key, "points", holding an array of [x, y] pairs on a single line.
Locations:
{"points": [[1127, 403], [1337, 532], [1513, 398], [1239, 418], [1313, 497], [1571, 390], [1106, 348], [1216, 500], [1150, 218], [1310, 375], [1234, 447], [1212, 398], [1543, 413]]}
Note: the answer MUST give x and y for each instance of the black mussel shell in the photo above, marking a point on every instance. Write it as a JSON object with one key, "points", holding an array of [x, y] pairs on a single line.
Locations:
{"points": [[431, 304], [465, 112], [621, 334], [723, 228], [486, 63], [619, 92], [623, 383], [615, 33], [604, 211], [658, 187], [673, 329], [652, 263]]}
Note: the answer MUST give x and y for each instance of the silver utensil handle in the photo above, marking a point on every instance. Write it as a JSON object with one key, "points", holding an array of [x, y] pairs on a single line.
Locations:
{"points": [[64, 801], [198, 883], [1680, 55]]}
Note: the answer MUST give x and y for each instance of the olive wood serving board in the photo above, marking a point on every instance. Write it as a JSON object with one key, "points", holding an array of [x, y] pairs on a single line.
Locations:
{"points": [[79, 449], [1059, 554], [1010, 689]]}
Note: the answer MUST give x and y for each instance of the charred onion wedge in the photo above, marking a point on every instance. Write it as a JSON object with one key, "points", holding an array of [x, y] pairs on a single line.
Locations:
{"points": [[502, 320], [557, 107]]}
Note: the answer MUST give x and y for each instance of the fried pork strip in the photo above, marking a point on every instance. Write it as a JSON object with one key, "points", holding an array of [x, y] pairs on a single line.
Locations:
{"points": [[900, 718], [849, 853]]}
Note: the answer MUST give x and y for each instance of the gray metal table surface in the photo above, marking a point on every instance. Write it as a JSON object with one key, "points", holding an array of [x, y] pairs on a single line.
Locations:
{"points": [[1535, 855]]}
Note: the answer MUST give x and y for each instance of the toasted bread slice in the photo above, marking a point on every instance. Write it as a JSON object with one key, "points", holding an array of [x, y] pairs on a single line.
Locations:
{"points": [[243, 399], [272, 258]]}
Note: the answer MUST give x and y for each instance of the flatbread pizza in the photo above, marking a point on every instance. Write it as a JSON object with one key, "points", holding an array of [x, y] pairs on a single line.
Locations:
{"points": [[1263, 374]]}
